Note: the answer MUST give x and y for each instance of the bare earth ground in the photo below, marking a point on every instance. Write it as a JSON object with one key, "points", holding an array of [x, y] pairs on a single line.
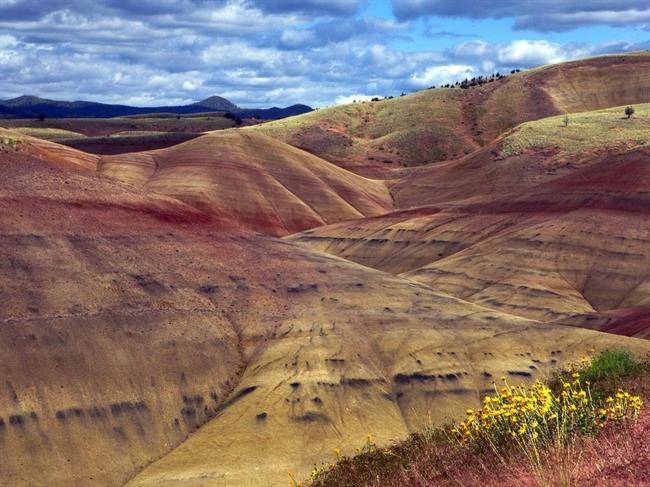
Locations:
{"points": [[155, 331]]}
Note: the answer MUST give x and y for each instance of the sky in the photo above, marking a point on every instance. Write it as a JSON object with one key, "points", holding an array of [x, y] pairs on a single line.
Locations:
{"points": [[260, 53]]}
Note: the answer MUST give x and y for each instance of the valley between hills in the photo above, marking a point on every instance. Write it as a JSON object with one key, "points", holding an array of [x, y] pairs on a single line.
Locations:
{"points": [[225, 309]]}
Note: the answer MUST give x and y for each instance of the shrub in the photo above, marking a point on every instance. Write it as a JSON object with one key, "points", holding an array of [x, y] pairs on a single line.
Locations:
{"points": [[539, 431], [629, 111], [532, 421], [610, 363], [534, 417]]}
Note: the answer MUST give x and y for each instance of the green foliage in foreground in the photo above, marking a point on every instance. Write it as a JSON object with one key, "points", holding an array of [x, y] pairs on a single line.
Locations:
{"points": [[610, 364], [602, 377]]}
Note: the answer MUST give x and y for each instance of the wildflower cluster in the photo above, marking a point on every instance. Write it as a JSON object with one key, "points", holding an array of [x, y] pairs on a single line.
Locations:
{"points": [[530, 417], [619, 407]]}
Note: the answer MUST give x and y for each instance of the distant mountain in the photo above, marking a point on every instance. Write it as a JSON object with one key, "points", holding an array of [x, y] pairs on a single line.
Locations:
{"points": [[217, 103], [32, 106]]}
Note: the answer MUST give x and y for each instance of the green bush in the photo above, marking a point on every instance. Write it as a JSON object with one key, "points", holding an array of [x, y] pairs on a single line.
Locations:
{"points": [[610, 364]]}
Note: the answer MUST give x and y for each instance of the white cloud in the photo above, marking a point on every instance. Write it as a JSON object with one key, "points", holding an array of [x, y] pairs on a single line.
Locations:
{"points": [[190, 85], [7, 40], [539, 15], [296, 39], [471, 49], [440, 75], [528, 53], [570, 20], [256, 52]]}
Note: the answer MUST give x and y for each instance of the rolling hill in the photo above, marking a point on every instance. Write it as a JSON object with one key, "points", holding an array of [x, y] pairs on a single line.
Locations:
{"points": [[132, 319], [541, 215], [243, 179], [155, 331], [255, 180], [377, 138]]}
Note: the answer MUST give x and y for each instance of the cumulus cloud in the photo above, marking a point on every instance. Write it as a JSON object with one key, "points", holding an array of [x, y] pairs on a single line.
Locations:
{"points": [[370, 29], [440, 75], [255, 52], [298, 39], [530, 53], [312, 7], [524, 53], [547, 15], [571, 20], [35, 9]]}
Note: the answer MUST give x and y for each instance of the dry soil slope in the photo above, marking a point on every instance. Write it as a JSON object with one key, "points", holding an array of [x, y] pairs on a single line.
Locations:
{"points": [[575, 250], [368, 355], [129, 319], [250, 179], [555, 219], [452, 205], [579, 245], [374, 138], [529, 155], [13, 143], [408, 239], [263, 184]]}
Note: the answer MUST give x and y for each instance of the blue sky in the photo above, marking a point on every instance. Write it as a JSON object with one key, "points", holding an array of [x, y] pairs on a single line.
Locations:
{"points": [[262, 52]]}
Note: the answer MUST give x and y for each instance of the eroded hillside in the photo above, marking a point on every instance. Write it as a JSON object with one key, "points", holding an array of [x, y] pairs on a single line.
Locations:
{"points": [[131, 319], [154, 332], [550, 223], [242, 179], [377, 138]]}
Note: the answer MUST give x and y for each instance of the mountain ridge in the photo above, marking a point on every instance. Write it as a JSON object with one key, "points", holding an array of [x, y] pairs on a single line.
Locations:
{"points": [[30, 106]]}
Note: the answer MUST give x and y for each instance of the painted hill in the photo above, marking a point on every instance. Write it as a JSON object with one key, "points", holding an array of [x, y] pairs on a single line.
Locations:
{"points": [[375, 138], [542, 215], [32, 106], [131, 319], [152, 335], [242, 179], [259, 182]]}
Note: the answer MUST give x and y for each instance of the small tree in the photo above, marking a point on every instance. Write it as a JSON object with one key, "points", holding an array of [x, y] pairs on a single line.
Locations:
{"points": [[41, 117], [629, 111], [566, 120]]}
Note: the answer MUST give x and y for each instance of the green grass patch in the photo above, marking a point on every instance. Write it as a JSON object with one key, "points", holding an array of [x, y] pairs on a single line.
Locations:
{"points": [[588, 131], [610, 364]]}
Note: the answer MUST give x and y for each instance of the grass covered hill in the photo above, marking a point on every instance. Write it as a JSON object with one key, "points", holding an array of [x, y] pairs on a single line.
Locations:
{"points": [[377, 138]]}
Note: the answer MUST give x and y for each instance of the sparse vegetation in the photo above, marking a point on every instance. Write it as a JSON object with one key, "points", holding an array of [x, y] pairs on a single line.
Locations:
{"points": [[588, 132], [610, 364], [48, 133], [8, 141], [354, 132], [538, 434]]}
